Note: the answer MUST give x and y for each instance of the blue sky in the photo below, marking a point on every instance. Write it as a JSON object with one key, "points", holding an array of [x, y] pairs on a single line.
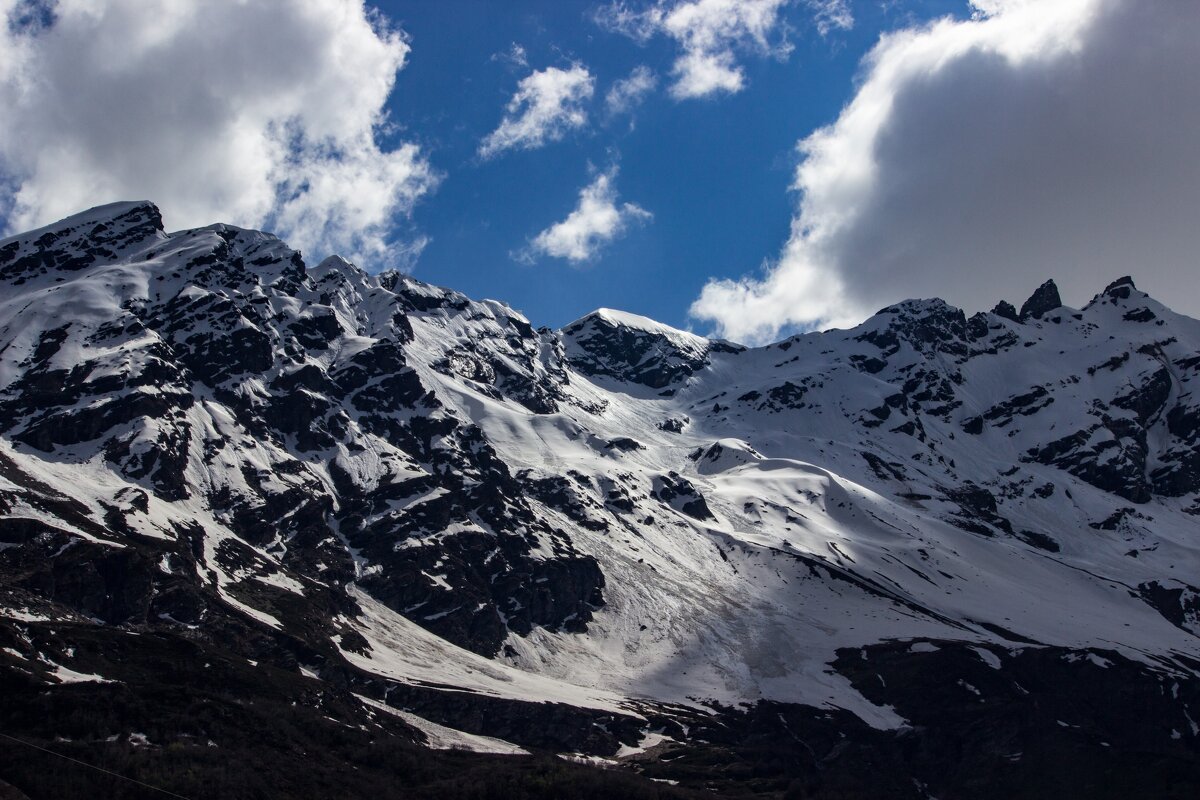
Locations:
{"points": [[713, 171], [793, 164]]}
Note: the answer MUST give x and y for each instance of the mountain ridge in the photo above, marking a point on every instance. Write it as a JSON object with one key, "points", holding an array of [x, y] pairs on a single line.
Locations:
{"points": [[608, 539]]}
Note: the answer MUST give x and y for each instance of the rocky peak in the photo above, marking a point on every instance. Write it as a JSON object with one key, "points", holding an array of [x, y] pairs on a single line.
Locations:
{"points": [[1133, 304], [1120, 287], [96, 235], [334, 268], [928, 325], [420, 296], [635, 349], [1045, 298], [1006, 310], [130, 220]]}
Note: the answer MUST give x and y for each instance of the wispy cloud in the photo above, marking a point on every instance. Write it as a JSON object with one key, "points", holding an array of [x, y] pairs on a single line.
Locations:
{"points": [[831, 15], [596, 220], [628, 93], [709, 33], [547, 104], [515, 55]]}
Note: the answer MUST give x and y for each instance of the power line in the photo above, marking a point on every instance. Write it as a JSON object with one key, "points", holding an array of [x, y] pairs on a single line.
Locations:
{"points": [[93, 766]]}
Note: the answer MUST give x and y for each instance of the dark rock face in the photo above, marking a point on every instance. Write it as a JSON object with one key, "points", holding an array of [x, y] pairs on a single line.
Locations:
{"points": [[1120, 288], [1148, 399], [1025, 404], [1113, 453], [522, 365], [1110, 455], [929, 326], [1179, 475], [219, 333], [80, 243], [1043, 300], [483, 582], [1005, 309], [602, 346], [678, 492], [1180, 602]]}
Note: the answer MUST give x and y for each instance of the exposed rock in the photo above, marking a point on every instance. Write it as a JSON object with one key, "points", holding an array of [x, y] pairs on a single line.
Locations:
{"points": [[626, 348], [234, 487], [1044, 299], [1007, 310]]}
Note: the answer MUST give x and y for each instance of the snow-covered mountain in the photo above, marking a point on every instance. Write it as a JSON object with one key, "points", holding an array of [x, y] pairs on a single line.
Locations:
{"points": [[929, 551]]}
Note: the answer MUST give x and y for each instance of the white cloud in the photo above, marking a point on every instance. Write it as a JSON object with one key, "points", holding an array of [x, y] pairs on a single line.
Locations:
{"points": [[627, 93], [548, 103], [596, 221], [218, 110], [709, 34], [514, 55], [1054, 138], [830, 15]]}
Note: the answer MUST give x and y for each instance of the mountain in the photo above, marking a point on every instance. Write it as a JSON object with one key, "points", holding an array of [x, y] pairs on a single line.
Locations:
{"points": [[268, 526]]}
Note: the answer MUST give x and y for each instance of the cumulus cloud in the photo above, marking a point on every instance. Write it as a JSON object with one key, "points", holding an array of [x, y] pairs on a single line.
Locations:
{"points": [[709, 34], [218, 110], [548, 103], [978, 157], [627, 93], [596, 221]]}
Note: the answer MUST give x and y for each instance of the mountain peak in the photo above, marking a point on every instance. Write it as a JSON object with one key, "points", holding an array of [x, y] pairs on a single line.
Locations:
{"points": [[634, 348], [1120, 288], [611, 317], [138, 214], [1045, 298], [1007, 310], [79, 241], [919, 308]]}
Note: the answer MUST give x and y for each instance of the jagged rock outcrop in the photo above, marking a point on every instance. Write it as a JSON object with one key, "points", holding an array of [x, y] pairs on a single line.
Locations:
{"points": [[634, 349], [1043, 300]]}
